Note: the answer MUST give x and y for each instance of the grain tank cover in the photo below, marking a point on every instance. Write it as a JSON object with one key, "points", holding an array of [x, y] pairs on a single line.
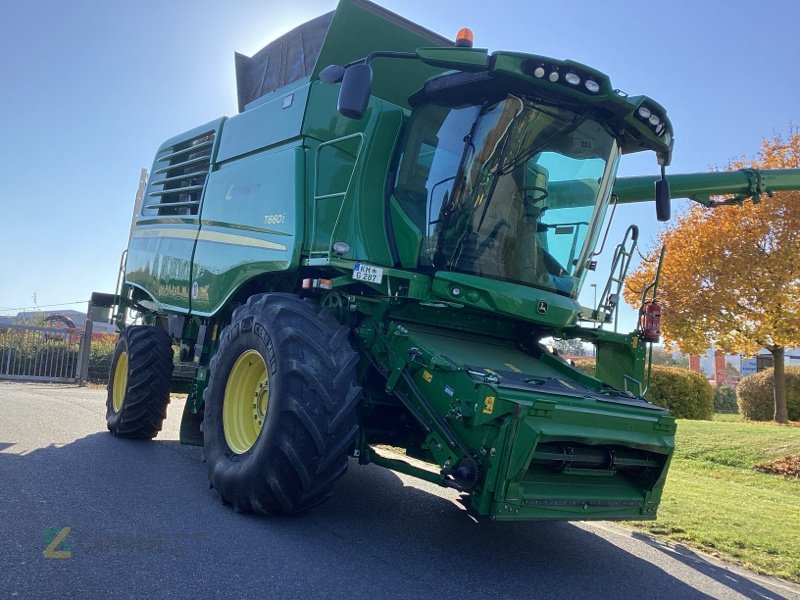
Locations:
{"points": [[353, 30], [289, 58]]}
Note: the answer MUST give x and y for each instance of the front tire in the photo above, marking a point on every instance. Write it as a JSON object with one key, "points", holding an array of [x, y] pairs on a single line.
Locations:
{"points": [[280, 407], [138, 388]]}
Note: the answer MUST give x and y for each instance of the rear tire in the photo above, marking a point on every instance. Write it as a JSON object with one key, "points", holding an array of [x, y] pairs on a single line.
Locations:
{"points": [[138, 388], [280, 407]]}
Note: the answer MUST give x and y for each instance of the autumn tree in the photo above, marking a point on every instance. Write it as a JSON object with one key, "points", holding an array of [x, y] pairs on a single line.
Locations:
{"points": [[731, 275], [571, 347], [662, 356]]}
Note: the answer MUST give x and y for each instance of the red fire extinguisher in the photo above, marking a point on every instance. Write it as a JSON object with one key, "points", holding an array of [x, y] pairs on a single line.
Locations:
{"points": [[650, 323]]}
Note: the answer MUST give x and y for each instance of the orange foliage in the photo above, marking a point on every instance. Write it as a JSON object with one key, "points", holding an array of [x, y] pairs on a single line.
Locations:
{"points": [[731, 275], [786, 467]]}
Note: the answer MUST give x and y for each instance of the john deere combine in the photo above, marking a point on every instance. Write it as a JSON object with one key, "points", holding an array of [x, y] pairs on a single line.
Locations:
{"points": [[370, 255]]}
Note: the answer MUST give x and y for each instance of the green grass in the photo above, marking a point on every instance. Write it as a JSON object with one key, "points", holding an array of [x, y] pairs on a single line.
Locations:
{"points": [[729, 418], [716, 502]]}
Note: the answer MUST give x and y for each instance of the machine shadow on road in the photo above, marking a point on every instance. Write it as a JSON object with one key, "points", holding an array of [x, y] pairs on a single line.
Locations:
{"points": [[384, 534], [699, 563]]}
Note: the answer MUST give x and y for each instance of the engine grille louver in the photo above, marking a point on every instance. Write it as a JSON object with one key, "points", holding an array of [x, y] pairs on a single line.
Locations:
{"points": [[176, 184]]}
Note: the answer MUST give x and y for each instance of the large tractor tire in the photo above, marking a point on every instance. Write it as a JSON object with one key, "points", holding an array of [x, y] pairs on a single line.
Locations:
{"points": [[138, 389], [280, 406]]}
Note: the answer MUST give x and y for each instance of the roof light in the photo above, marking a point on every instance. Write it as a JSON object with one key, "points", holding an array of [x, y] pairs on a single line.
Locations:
{"points": [[654, 120], [592, 86], [572, 78], [553, 76], [538, 72], [464, 38]]}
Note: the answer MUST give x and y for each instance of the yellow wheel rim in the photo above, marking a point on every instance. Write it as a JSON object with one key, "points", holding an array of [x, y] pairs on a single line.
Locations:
{"points": [[244, 404], [120, 381]]}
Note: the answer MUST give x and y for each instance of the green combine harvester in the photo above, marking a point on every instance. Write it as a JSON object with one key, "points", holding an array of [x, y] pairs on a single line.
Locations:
{"points": [[370, 255]]}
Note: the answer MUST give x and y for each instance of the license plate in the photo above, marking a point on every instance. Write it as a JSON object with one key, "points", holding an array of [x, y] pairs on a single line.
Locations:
{"points": [[368, 273]]}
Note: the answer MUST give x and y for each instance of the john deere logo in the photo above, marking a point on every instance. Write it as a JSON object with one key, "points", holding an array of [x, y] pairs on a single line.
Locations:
{"points": [[541, 307]]}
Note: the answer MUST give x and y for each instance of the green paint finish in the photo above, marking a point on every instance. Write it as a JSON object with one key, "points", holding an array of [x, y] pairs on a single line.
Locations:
{"points": [[407, 235], [523, 302], [358, 28], [458, 59], [249, 225], [361, 221], [159, 261], [610, 437], [621, 362], [348, 165], [267, 124]]}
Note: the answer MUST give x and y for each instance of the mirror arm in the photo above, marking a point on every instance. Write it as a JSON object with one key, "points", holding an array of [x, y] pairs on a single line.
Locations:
{"points": [[389, 54]]}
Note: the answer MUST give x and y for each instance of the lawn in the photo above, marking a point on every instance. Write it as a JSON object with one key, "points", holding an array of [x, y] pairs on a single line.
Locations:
{"points": [[716, 501]]}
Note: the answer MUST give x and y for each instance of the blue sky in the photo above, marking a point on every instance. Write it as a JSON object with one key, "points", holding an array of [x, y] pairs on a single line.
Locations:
{"points": [[90, 90]]}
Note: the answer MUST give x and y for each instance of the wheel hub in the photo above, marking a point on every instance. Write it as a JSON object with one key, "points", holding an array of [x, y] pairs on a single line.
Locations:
{"points": [[260, 399], [245, 402]]}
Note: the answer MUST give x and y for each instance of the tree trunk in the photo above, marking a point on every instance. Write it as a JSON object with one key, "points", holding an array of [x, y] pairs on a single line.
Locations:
{"points": [[781, 414]]}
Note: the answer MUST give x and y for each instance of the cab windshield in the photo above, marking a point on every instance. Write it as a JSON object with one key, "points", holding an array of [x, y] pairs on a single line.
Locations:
{"points": [[514, 190]]}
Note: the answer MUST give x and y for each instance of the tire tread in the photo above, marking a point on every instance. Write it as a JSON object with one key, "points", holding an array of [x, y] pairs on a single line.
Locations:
{"points": [[317, 419]]}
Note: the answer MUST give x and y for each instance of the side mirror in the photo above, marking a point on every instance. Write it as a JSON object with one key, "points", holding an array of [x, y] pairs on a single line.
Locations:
{"points": [[663, 201], [331, 74], [355, 90]]}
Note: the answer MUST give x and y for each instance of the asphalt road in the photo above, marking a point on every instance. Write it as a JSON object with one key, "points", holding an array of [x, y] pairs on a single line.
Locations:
{"points": [[143, 523]]}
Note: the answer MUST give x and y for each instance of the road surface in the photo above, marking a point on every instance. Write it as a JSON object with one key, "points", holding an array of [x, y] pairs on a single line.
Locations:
{"points": [[143, 523]]}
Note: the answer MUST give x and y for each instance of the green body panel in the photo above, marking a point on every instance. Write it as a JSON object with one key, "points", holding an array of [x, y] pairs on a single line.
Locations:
{"points": [[250, 224], [159, 260], [541, 306], [348, 163], [406, 234], [621, 362], [514, 70], [274, 119], [359, 28]]}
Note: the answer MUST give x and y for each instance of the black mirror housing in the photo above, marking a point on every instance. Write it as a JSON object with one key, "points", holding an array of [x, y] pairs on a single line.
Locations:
{"points": [[663, 200], [331, 74], [355, 91]]}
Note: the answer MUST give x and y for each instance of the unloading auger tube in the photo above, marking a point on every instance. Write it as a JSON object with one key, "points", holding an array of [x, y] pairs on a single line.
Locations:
{"points": [[741, 184]]}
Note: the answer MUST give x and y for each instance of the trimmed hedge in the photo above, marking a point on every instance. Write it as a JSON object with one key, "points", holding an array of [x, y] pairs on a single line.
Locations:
{"points": [[585, 364], [725, 400], [755, 395], [686, 393], [102, 351]]}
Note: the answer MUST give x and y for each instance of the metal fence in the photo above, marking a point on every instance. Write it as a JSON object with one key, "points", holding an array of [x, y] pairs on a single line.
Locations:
{"points": [[39, 353]]}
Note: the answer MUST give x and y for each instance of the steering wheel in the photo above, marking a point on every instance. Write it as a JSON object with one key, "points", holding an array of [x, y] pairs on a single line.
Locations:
{"points": [[539, 193]]}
